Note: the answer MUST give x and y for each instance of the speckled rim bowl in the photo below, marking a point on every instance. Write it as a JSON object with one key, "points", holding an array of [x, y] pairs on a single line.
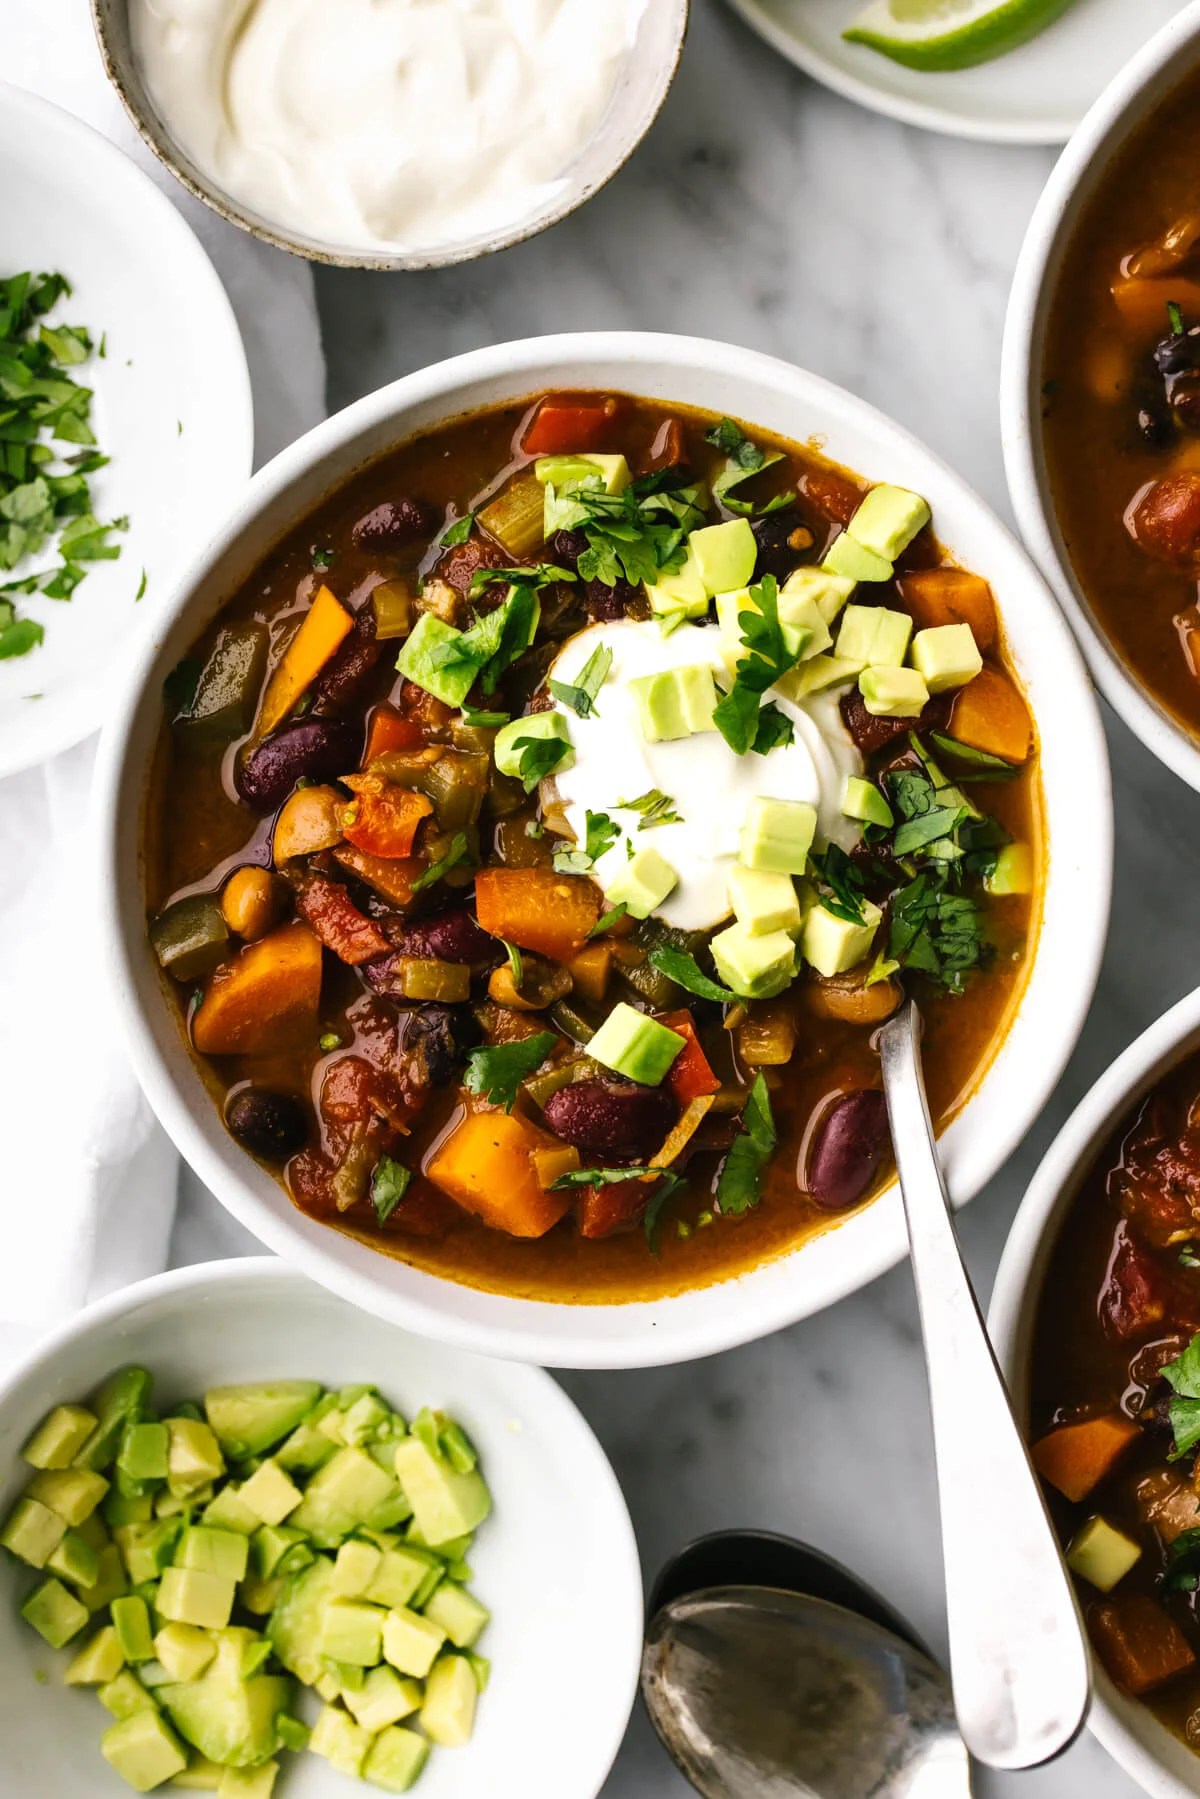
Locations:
{"points": [[1081, 170], [1023, 1074], [643, 86], [1129, 1731], [556, 1563]]}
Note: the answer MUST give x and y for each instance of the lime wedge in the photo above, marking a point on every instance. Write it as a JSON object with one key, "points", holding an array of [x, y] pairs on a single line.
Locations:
{"points": [[938, 35]]}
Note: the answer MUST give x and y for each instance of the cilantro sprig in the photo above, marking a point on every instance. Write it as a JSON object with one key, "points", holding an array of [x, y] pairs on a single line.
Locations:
{"points": [[600, 833], [390, 1181], [744, 459], [458, 853], [1183, 1377], [766, 658], [495, 1072], [739, 1184], [580, 696], [686, 972], [654, 807], [636, 535]]}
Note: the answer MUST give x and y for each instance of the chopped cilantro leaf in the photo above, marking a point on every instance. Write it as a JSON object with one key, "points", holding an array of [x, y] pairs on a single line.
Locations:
{"points": [[1181, 1571], [607, 919], [539, 757], [458, 532], [458, 853], [496, 1072], [686, 972], [532, 575], [737, 715], [601, 834], [1183, 1377], [842, 887], [773, 730], [655, 807], [935, 932], [1175, 318], [581, 696], [739, 1184], [390, 1181]]}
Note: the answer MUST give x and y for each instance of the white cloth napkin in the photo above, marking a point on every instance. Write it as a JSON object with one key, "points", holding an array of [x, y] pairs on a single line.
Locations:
{"points": [[87, 1178]]}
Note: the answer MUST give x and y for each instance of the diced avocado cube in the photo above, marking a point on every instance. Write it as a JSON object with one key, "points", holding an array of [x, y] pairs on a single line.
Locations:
{"points": [[227, 1511], [55, 1613], [399, 1577], [680, 596], [211, 1551], [59, 1437], [143, 1750], [343, 1494], [364, 1418], [642, 884], [797, 630], [777, 834], [131, 1621], [755, 965], [832, 945], [143, 1452], [342, 1742], [147, 1548], [193, 1455], [451, 1695], [946, 656], [270, 1494], [152, 1674], [99, 1661], [1013, 873], [306, 1450], [816, 676], [190, 1596], [250, 1419], [893, 692], [124, 1696], [847, 557], [481, 1668], [327, 1688], [764, 901], [261, 1596], [805, 632], [888, 520], [229, 1719], [33, 1532], [395, 1759], [248, 1783], [330, 1426], [110, 1581], [458, 1613], [184, 1651], [1101, 1554], [435, 657], [675, 702], [827, 591], [94, 1532], [384, 1698], [296, 1617], [513, 741], [351, 1631], [278, 1548], [122, 1397], [631, 1044], [356, 1566], [873, 635], [568, 471], [723, 556], [200, 1775], [181, 1505], [74, 1493], [863, 800], [410, 1642], [446, 1502], [292, 1733], [120, 1508]]}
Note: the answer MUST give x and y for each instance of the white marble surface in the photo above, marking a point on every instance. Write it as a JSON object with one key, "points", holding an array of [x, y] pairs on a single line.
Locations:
{"points": [[764, 210]]}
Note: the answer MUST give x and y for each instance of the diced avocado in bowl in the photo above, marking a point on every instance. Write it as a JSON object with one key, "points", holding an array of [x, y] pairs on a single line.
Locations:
{"points": [[204, 1568]]}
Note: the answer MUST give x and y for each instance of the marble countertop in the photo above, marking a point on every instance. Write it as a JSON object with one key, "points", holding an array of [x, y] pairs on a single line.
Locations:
{"points": [[766, 211]]}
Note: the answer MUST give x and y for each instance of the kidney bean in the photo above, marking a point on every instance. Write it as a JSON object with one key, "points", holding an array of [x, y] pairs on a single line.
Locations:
{"points": [[268, 1124], [344, 683], [850, 1145], [622, 1124], [316, 749], [394, 525], [449, 937], [871, 733], [1165, 521]]}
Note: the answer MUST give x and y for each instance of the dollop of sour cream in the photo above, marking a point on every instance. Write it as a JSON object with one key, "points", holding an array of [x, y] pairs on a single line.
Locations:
{"points": [[709, 787], [384, 123]]}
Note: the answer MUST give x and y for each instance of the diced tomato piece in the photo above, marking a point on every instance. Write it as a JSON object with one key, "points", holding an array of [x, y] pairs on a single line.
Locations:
{"points": [[423, 1212], [690, 1076], [616, 1206], [391, 730], [1075, 1458], [1140, 1646], [1135, 1300], [383, 819], [566, 422], [326, 907]]}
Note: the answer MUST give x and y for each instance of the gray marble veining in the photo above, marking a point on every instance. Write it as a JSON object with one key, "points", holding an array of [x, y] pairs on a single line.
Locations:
{"points": [[763, 210]]}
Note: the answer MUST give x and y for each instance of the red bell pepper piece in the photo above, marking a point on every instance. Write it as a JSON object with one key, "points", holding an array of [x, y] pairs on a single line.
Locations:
{"points": [[390, 730], [565, 422], [690, 1075]]}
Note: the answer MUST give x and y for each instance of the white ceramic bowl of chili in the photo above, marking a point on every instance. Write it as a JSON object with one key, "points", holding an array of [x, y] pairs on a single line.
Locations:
{"points": [[1065, 952], [1079, 174], [1129, 1731]]}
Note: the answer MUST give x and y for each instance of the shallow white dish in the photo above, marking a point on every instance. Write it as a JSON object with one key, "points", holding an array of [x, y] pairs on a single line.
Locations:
{"points": [[1036, 95], [172, 404], [1121, 110], [1130, 1732], [556, 1563], [777, 397]]}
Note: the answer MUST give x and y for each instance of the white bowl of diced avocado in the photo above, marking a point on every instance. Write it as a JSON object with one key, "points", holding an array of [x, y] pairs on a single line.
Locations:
{"points": [[261, 1544]]}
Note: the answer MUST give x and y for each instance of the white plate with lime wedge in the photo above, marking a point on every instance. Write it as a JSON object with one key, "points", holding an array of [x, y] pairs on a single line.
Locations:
{"points": [[1046, 62]]}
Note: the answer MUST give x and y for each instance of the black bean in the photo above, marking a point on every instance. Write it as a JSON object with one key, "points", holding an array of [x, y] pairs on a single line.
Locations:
{"points": [[394, 525], [777, 555], [316, 749], [621, 1124], [850, 1146], [269, 1124]]}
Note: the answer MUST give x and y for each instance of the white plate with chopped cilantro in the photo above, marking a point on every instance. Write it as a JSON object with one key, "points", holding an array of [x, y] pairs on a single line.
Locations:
{"points": [[126, 423], [1035, 93]]}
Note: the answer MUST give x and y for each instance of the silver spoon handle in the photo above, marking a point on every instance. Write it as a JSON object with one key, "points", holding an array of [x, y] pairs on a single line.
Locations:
{"points": [[1018, 1657]]}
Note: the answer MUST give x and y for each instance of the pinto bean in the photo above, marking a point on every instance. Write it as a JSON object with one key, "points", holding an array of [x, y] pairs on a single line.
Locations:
{"points": [[1165, 521], [850, 1145], [316, 749], [346, 680], [622, 1124], [269, 1124], [394, 525]]}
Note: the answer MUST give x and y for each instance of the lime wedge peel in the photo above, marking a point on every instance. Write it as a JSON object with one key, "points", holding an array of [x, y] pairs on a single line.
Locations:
{"points": [[942, 35]]}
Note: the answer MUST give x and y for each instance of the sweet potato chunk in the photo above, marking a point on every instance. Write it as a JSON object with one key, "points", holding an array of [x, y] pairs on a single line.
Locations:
{"points": [[538, 909], [1142, 303], [950, 596], [486, 1164], [321, 631], [390, 876], [1139, 1645], [991, 715], [1075, 1458], [265, 999]]}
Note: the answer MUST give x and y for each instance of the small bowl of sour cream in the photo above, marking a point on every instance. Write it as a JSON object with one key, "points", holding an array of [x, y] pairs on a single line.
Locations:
{"points": [[392, 134]]}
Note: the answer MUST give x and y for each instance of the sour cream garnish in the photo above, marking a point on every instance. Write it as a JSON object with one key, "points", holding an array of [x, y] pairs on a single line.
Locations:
{"points": [[708, 785], [377, 124]]}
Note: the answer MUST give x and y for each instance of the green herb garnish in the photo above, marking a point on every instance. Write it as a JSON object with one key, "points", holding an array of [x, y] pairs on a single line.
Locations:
{"points": [[496, 1072], [773, 731], [842, 887], [458, 532], [982, 763], [600, 835], [1175, 315], [390, 1181], [686, 972], [739, 1184], [321, 556], [656, 808], [745, 459], [636, 535], [606, 921], [736, 716], [581, 696], [485, 720], [532, 575], [1183, 1377], [539, 757], [934, 931], [516, 962], [1181, 1573], [458, 853]]}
